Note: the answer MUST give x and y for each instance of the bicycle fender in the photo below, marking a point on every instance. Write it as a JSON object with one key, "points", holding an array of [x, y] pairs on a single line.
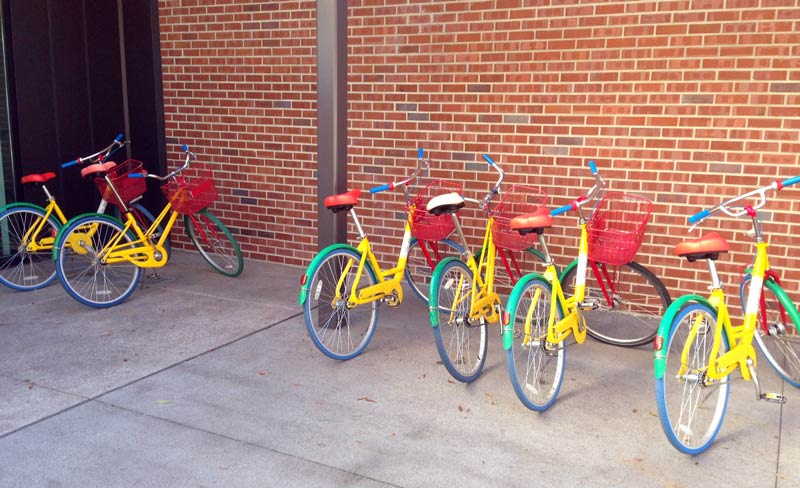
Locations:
{"points": [[660, 358], [433, 310], [782, 297], [566, 270], [304, 284], [56, 247], [22, 205], [513, 300]]}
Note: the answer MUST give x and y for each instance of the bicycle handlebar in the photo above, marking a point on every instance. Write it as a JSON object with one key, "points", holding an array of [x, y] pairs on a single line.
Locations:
{"points": [[100, 155], [594, 193], [190, 156], [727, 206], [401, 183]]}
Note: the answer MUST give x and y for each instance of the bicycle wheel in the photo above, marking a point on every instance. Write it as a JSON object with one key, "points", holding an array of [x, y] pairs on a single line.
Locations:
{"points": [[776, 333], [21, 268], [339, 331], [423, 256], [81, 269], [536, 367], [461, 344], [627, 309], [691, 409], [215, 242], [145, 219]]}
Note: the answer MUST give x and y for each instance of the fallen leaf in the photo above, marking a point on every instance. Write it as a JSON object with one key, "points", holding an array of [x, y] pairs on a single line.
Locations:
{"points": [[635, 410], [367, 399], [163, 402], [262, 372]]}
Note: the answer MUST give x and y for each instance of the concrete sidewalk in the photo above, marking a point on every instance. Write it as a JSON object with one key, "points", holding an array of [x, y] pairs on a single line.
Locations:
{"points": [[202, 380]]}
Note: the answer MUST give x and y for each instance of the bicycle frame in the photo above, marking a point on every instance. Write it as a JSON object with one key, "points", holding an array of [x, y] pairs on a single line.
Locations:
{"points": [[389, 281], [741, 351], [143, 251]]}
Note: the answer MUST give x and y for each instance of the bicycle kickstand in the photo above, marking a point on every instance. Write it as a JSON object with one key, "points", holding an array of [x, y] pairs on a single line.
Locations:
{"points": [[770, 397]]}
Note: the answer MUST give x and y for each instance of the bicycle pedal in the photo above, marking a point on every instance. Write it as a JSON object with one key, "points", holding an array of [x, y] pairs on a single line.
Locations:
{"points": [[773, 398], [588, 305]]}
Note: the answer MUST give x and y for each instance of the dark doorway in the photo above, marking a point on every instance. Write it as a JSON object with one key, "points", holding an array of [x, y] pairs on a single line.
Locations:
{"points": [[79, 72]]}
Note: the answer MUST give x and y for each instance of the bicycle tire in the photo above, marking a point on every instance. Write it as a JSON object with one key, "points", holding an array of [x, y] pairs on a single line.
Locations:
{"points": [[214, 242], [454, 336], [418, 271], [706, 407], [345, 332], [779, 341], [86, 279], [20, 269], [641, 297], [536, 372]]}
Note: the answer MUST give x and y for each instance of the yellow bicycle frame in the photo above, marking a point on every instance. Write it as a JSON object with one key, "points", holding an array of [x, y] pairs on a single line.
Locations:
{"points": [[32, 234], [142, 251], [571, 324], [740, 336], [389, 282]]}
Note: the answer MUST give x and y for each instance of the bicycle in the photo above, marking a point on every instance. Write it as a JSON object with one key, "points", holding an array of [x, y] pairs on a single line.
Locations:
{"points": [[541, 317], [624, 300], [463, 290], [99, 259], [698, 349], [344, 285], [28, 231]]}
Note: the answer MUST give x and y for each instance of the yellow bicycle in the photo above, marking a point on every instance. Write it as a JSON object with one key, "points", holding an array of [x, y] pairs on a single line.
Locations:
{"points": [[698, 349], [99, 259], [344, 285], [541, 318], [28, 231], [464, 298]]}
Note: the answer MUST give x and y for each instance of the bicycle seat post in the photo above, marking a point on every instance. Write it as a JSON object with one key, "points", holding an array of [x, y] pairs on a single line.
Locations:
{"points": [[361, 233]]}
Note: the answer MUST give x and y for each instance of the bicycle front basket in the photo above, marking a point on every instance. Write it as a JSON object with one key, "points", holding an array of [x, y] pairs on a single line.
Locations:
{"points": [[616, 228], [190, 191], [424, 225]]}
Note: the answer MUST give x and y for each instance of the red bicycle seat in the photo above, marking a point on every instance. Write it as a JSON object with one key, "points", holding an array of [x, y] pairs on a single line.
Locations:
{"points": [[97, 168], [532, 222], [38, 178], [706, 247], [342, 201]]}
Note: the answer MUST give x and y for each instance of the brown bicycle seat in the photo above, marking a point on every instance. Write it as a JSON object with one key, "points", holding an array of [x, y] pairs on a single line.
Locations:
{"points": [[536, 221], [38, 178], [706, 247], [342, 201], [94, 169]]}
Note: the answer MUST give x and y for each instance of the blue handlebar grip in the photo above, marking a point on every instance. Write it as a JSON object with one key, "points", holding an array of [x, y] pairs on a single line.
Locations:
{"points": [[119, 137], [698, 217], [488, 159], [420, 153], [185, 148], [379, 188], [561, 210], [593, 167], [791, 181], [70, 163], [137, 175]]}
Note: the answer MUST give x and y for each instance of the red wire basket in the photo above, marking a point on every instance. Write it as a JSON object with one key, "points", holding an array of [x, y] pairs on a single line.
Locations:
{"points": [[128, 188], [616, 228], [190, 191], [518, 200], [424, 225]]}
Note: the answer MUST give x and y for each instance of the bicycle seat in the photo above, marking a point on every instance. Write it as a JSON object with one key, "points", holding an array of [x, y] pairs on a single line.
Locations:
{"points": [[95, 169], [537, 222], [706, 247], [38, 178], [342, 201], [447, 203]]}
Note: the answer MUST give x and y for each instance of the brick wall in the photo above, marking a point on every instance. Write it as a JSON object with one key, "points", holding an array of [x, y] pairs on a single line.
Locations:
{"points": [[680, 101]]}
